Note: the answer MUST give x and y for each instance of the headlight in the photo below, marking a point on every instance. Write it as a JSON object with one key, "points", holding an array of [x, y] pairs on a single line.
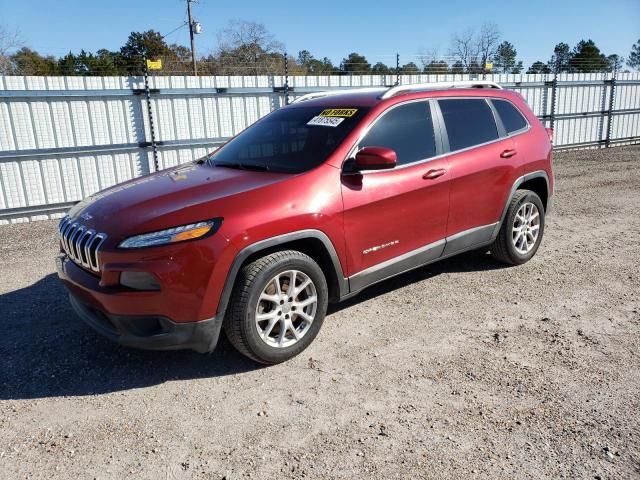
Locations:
{"points": [[173, 235]]}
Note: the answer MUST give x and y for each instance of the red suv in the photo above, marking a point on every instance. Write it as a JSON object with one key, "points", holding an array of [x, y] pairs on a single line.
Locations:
{"points": [[311, 204]]}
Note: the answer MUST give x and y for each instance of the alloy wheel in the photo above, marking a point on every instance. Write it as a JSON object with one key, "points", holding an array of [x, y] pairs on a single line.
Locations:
{"points": [[526, 228], [286, 308]]}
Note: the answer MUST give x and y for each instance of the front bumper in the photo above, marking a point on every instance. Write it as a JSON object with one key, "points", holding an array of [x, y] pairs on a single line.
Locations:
{"points": [[150, 332]]}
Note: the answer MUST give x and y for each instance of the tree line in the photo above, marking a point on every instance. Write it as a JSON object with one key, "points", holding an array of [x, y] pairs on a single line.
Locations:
{"points": [[248, 48]]}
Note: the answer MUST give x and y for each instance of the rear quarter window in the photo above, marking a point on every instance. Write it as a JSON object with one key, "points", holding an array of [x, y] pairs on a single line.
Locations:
{"points": [[511, 117], [468, 121]]}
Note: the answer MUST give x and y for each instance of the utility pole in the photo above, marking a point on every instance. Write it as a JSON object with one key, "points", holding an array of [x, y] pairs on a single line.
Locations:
{"points": [[193, 42]]}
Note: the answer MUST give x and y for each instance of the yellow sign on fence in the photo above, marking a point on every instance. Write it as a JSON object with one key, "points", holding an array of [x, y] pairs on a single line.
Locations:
{"points": [[154, 64], [488, 66]]}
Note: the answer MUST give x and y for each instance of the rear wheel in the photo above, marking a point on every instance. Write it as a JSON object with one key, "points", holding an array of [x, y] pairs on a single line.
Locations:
{"points": [[522, 229], [277, 307]]}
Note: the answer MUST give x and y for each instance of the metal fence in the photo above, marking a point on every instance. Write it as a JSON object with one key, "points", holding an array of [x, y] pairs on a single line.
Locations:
{"points": [[64, 138]]}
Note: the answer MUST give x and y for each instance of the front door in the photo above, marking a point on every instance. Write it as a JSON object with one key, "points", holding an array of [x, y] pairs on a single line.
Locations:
{"points": [[397, 218]]}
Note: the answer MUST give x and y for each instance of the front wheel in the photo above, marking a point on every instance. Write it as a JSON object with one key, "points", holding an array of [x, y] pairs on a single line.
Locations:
{"points": [[522, 229], [277, 307]]}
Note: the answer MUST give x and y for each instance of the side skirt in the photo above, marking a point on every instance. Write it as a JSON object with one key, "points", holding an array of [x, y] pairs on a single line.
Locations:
{"points": [[396, 266], [471, 238], [450, 246]]}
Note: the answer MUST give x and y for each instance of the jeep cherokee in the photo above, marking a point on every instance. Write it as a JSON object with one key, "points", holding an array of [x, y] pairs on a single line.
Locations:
{"points": [[311, 204]]}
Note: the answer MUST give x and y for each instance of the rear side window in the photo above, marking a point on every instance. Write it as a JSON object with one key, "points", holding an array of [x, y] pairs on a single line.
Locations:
{"points": [[407, 129], [469, 122], [511, 118]]}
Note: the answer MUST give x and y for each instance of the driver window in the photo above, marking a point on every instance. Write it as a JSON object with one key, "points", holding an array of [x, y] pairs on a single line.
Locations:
{"points": [[407, 129]]}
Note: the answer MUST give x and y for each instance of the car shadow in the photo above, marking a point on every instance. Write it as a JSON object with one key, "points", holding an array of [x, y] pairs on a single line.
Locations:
{"points": [[47, 351], [472, 261]]}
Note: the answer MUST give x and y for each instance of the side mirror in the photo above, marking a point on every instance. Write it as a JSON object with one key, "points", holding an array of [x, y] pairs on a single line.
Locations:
{"points": [[375, 158]]}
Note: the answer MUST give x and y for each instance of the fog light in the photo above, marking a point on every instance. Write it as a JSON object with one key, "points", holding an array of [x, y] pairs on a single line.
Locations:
{"points": [[139, 281]]}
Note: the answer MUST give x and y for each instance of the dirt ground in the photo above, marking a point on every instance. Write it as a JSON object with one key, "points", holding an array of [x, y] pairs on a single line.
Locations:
{"points": [[462, 369]]}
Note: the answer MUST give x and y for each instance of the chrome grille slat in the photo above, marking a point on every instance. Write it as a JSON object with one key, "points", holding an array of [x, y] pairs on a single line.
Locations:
{"points": [[65, 235], [81, 243], [64, 224], [68, 234], [100, 237], [74, 243]]}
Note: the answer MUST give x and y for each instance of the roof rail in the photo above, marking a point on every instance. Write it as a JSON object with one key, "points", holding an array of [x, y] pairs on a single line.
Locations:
{"points": [[328, 93], [417, 87], [391, 91]]}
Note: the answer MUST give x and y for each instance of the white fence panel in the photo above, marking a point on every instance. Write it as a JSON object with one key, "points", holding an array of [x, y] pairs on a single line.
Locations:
{"points": [[63, 138]]}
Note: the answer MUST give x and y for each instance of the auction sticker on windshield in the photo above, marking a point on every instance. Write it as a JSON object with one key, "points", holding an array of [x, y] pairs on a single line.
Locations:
{"points": [[321, 121], [332, 117]]}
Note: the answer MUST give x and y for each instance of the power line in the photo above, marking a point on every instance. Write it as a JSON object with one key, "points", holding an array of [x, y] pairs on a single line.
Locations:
{"points": [[174, 30]]}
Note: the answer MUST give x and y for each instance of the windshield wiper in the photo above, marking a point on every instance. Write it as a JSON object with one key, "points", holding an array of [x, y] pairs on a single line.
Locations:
{"points": [[244, 166]]}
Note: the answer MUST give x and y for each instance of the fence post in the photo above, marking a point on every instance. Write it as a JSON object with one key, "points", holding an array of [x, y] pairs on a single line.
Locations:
{"points": [[147, 94], [286, 79], [545, 100], [554, 98], [612, 97], [397, 69], [603, 111]]}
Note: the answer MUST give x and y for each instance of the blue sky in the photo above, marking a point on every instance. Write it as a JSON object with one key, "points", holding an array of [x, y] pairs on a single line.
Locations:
{"points": [[329, 27]]}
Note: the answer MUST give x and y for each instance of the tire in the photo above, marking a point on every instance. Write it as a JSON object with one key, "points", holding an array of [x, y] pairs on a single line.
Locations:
{"points": [[256, 296], [509, 249]]}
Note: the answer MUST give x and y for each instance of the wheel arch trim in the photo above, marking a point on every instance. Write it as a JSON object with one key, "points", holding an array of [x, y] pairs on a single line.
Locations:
{"points": [[267, 243], [519, 181]]}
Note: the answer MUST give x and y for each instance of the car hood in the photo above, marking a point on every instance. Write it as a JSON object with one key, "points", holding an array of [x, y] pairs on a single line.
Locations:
{"points": [[172, 197]]}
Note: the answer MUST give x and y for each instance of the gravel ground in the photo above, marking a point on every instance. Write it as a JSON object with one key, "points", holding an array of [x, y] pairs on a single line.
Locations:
{"points": [[463, 369]]}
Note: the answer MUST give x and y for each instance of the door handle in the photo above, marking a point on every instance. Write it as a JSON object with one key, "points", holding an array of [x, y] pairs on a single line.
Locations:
{"points": [[434, 173], [508, 153]]}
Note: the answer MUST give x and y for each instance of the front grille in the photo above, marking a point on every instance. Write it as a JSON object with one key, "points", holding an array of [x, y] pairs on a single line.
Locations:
{"points": [[80, 243]]}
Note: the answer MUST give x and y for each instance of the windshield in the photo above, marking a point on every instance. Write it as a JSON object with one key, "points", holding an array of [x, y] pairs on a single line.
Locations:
{"points": [[290, 140]]}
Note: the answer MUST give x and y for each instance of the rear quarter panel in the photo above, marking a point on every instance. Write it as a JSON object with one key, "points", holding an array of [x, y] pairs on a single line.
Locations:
{"points": [[535, 145]]}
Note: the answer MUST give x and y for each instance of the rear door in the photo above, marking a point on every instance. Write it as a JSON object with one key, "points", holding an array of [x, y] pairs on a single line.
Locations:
{"points": [[484, 164], [388, 213]]}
